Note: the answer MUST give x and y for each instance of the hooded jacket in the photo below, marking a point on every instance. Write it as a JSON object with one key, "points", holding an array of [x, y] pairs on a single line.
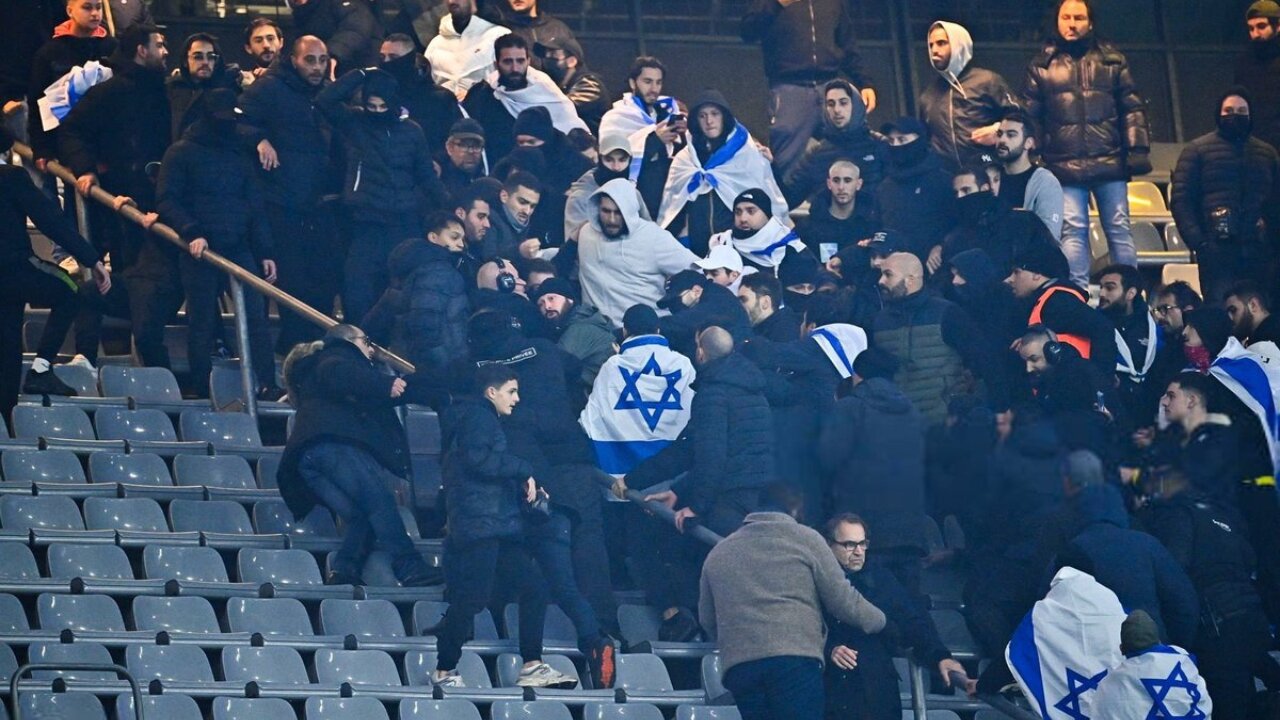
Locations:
{"points": [[186, 93], [1092, 120], [960, 100], [462, 59], [431, 305], [872, 448], [855, 142], [279, 107], [919, 202], [579, 208], [632, 269], [54, 59], [807, 42]]}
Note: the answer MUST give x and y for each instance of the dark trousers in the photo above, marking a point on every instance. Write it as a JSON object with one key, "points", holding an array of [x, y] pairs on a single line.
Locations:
{"points": [[470, 572], [306, 254], [1224, 264], [1229, 657], [550, 544], [93, 307], [204, 285], [38, 283], [366, 277], [777, 688], [1261, 511], [348, 481], [154, 295]]}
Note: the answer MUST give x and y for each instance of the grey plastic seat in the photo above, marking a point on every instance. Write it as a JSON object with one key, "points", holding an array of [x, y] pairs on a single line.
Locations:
{"points": [[642, 672], [222, 430], [713, 680], [936, 714], [420, 665], [78, 612], [279, 567], [367, 618], [447, 709], [193, 564], [61, 706], [190, 614], [13, 618], [72, 560], [428, 614], [50, 512], [228, 708], [217, 516], [224, 471], [954, 632], [628, 711], [158, 707], [269, 616], [168, 663], [59, 421], [124, 424], [270, 664], [422, 427], [130, 469], [8, 664], [133, 514], [273, 516], [377, 570], [57, 466], [80, 378], [538, 710], [144, 384], [508, 666], [707, 712], [557, 627], [639, 623], [68, 654], [358, 667], [17, 563], [354, 708], [267, 468]]}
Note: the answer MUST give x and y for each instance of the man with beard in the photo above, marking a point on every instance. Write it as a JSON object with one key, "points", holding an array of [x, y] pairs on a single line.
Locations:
{"points": [[836, 219], [963, 105], [695, 303], [462, 161], [509, 223], [1221, 199], [652, 123], [844, 135], [759, 237], [987, 224], [202, 70], [509, 89], [916, 198], [623, 259], [578, 329], [431, 106], [761, 297], [263, 41], [462, 53], [1249, 307], [278, 114], [1258, 69], [1024, 185], [1144, 361], [614, 162], [563, 60], [1173, 301]]}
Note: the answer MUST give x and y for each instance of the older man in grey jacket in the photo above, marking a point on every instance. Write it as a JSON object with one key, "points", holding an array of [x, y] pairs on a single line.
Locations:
{"points": [[764, 591]]}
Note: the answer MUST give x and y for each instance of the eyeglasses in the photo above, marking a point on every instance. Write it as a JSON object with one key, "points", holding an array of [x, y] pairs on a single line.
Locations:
{"points": [[1164, 309], [852, 544], [470, 146], [201, 57]]}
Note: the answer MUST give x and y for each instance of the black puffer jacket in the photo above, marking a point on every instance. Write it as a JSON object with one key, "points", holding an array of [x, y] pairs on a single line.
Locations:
{"points": [[1092, 120], [953, 115], [856, 143], [718, 306], [428, 303], [349, 29], [431, 106], [346, 399], [278, 107], [919, 203], [1258, 70], [482, 477], [1214, 172], [389, 168]]}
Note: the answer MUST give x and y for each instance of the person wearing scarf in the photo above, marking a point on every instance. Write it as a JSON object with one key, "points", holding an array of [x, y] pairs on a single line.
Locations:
{"points": [[434, 108], [756, 234], [721, 161], [613, 163], [653, 124], [964, 104]]}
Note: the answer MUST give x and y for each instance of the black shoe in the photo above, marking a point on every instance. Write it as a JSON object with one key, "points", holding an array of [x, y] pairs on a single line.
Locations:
{"points": [[341, 578], [46, 383], [602, 661], [427, 578], [270, 393], [681, 628]]}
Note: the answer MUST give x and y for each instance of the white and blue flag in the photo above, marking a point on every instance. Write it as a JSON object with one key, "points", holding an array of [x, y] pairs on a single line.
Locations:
{"points": [[1065, 646], [66, 91], [1159, 682], [841, 343], [1256, 381], [639, 404]]}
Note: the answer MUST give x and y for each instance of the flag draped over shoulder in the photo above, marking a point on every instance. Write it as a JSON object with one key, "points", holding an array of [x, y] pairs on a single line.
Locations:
{"points": [[841, 343], [1255, 379], [631, 118], [1064, 647], [735, 167], [66, 91], [639, 404], [1159, 682]]}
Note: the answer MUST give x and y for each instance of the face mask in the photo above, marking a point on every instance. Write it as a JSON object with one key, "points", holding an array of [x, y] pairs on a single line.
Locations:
{"points": [[798, 302], [740, 234], [556, 69], [1198, 357], [909, 155], [383, 118], [604, 174], [402, 68], [972, 208], [1235, 127]]}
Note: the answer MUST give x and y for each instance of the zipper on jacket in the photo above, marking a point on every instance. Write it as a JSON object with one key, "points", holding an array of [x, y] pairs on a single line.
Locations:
{"points": [[951, 114], [813, 35], [356, 186]]}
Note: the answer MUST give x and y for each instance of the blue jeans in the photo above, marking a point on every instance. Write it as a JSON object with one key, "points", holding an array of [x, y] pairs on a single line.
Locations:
{"points": [[795, 114], [348, 481], [550, 545], [1113, 212], [778, 688]]}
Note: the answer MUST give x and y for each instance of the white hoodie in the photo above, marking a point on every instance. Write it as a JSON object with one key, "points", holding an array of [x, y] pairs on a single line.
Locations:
{"points": [[617, 273], [459, 61]]}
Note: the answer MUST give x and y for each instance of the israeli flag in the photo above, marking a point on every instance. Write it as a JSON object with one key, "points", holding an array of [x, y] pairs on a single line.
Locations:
{"points": [[639, 404], [1256, 381], [841, 343], [66, 91], [1159, 682], [1065, 646]]}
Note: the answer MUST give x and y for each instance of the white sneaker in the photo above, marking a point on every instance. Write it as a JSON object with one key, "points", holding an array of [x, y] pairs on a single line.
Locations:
{"points": [[451, 680], [82, 361], [543, 675]]}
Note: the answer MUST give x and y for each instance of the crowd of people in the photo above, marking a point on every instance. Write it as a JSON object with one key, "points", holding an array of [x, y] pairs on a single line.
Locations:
{"points": [[841, 327]]}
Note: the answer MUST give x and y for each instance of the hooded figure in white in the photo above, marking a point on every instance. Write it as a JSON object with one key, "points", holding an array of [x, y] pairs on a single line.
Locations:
{"points": [[964, 104], [624, 259], [579, 207], [462, 59]]}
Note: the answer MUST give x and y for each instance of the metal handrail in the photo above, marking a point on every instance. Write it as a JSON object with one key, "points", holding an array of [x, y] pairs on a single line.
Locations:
{"points": [[282, 298], [119, 670], [691, 529]]}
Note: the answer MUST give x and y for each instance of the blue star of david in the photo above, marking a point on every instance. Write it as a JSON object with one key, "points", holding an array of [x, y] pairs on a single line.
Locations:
{"points": [[650, 410], [1077, 685], [1159, 689]]}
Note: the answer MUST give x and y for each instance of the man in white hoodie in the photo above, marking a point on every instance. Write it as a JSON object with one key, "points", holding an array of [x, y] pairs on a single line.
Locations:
{"points": [[964, 104], [462, 54], [624, 259]]}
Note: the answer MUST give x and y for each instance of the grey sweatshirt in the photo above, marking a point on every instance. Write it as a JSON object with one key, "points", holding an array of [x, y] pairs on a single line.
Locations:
{"points": [[765, 587]]}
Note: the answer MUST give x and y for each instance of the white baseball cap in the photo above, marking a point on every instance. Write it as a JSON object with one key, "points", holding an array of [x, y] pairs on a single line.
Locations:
{"points": [[721, 256]]}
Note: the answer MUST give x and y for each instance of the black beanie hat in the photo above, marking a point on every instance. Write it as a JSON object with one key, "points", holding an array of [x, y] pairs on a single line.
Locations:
{"points": [[536, 122], [756, 197], [380, 83], [797, 267], [555, 286], [1042, 258], [1212, 324]]}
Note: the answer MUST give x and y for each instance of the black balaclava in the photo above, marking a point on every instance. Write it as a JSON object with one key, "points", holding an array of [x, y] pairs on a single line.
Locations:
{"points": [[1235, 128], [974, 208], [382, 84]]}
